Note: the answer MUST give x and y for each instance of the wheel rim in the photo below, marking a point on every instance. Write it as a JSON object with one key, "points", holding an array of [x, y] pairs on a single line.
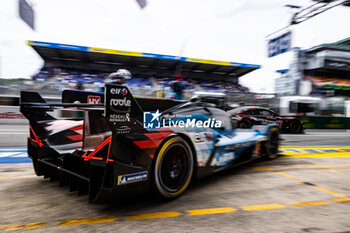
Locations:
{"points": [[294, 127], [174, 168], [245, 124]]}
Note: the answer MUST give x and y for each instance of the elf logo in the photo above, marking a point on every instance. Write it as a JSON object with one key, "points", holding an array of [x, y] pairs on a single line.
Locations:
{"points": [[117, 91]]}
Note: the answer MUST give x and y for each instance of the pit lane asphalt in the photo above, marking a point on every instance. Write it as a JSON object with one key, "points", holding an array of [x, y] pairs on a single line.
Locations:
{"points": [[286, 194], [12, 136]]}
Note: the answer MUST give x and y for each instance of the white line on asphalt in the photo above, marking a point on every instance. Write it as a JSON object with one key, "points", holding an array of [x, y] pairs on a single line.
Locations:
{"points": [[13, 154], [14, 133]]}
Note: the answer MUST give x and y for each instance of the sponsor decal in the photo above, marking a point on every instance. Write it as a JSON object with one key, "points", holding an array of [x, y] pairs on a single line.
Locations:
{"points": [[118, 104], [121, 110], [132, 178], [203, 137], [119, 117], [124, 91], [123, 130], [193, 123], [118, 91], [121, 102], [208, 136], [94, 99], [152, 120]]}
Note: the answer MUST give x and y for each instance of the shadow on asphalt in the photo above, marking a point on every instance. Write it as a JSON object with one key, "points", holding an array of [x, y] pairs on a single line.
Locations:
{"points": [[48, 195]]}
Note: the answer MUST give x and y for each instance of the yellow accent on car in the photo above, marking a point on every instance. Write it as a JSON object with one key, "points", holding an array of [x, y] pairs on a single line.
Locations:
{"points": [[159, 159]]}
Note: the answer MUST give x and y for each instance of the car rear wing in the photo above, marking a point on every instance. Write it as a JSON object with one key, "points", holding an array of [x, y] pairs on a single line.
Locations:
{"points": [[119, 115], [116, 106], [146, 103], [113, 113]]}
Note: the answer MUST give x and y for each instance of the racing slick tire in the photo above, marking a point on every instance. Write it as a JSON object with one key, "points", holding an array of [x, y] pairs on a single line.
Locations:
{"points": [[271, 146], [245, 123], [173, 168], [295, 126]]}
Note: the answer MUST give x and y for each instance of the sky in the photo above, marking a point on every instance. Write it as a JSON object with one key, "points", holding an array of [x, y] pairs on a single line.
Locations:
{"points": [[223, 30]]}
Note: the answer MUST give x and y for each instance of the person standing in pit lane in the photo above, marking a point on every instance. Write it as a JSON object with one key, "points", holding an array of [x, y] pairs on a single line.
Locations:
{"points": [[117, 77], [178, 87]]}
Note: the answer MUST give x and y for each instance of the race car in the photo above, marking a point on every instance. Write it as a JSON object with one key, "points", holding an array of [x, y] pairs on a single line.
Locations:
{"points": [[114, 145], [248, 116]]}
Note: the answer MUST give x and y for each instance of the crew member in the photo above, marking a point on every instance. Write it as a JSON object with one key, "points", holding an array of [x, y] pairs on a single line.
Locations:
{"points": [[117, 77], [178, 87]]}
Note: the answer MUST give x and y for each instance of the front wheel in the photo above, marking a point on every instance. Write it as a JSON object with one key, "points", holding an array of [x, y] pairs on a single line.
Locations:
{"points": [[271, 146], [173, 168]]}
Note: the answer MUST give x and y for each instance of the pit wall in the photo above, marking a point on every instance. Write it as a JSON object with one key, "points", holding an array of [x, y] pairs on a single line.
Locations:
{"points": [[325, 122]]}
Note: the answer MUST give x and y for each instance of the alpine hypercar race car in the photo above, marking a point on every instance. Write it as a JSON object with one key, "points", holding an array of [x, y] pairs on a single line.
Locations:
{"points": [[112, 144], [248, 116]]}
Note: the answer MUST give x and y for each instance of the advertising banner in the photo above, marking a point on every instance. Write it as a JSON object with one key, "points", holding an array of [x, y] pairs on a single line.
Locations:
{"points": [[280, 44]]}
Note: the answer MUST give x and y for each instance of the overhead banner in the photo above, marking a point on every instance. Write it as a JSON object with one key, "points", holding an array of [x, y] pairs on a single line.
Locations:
{"points": [[280, 44], [26, 13]]}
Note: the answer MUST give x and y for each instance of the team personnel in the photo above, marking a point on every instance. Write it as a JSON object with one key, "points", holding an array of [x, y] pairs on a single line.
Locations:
{"points": [[117, 77], [178, 87]]}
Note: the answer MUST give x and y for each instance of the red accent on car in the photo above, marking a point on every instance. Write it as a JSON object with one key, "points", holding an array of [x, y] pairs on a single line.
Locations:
{"points": [[36, 138], [209, 136], [105, 142], [155, 139], [145, 144], [79, 127], [77, 137], [288, 118], [92, 99]]}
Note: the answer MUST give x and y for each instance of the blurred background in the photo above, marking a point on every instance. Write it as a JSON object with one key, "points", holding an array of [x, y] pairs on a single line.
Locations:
{"points": [[289, 56], [292, 57]]}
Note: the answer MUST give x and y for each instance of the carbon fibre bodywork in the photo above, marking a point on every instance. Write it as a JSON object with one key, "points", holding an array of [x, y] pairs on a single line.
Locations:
{"points": [[106, 151]]}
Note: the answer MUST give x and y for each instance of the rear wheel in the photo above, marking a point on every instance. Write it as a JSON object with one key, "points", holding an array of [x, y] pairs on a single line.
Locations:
{"points": [[295, 126], [245, 123], [173, 168]]}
